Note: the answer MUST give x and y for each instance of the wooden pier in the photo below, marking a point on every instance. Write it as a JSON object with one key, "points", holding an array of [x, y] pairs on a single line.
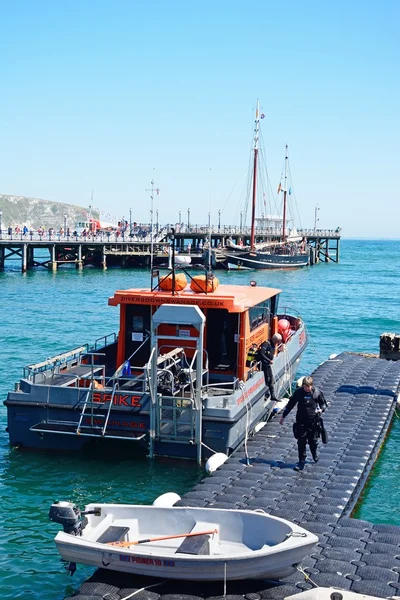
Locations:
{"points": [[109, 249]]}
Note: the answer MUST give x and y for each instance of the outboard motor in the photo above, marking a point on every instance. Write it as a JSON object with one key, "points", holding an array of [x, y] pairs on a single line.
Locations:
{"points": [[69, 516]]}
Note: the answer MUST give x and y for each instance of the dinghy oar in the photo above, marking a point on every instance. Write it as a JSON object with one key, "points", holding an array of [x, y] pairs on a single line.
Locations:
{"points": [[164, 537]]}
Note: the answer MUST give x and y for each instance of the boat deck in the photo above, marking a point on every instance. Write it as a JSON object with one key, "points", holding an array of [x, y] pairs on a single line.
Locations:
{"points": [[351, 554]]}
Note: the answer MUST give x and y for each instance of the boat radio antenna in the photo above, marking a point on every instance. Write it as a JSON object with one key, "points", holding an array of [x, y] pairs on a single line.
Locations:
{"points": [[255, 148], [209, 244], [209, 230], [151, 223]]}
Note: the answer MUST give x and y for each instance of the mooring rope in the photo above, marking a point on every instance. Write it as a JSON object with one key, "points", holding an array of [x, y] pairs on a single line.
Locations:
{"points": [[147, 587], [306, 576]]}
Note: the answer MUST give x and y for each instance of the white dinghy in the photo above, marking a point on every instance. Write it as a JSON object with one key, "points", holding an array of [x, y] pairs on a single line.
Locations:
{"points": [[180, 543]]}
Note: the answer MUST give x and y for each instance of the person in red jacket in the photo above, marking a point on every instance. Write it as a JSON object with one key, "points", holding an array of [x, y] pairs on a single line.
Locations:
{"points": [[310, 403]]}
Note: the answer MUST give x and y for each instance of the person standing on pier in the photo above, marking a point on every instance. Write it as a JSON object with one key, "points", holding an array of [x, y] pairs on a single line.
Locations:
{"points": [[310, 403]]}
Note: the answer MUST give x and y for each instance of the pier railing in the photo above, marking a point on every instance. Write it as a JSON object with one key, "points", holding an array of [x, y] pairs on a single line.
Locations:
{"points": [[100, 238], [160, 234]]}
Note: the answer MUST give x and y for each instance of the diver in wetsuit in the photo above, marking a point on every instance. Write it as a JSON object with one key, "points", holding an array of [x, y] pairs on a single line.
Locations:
{"points": [[310, 404], [266, 353]]}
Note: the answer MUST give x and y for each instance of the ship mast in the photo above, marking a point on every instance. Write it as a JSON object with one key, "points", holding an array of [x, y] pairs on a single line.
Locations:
{"points": [[284, 197], [253, 207]]}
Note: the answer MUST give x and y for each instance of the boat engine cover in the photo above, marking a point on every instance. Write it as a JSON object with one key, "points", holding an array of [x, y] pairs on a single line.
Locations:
{"points": [[68, 515]]}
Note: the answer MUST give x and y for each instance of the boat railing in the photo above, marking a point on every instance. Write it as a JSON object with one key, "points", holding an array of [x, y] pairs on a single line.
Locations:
{"points": [[292, 315], [296, 327], [255, 367], [228, 387], [172, 357], [139, 376], [151, 372], [60, 361], [105, 340], [191, 372], [287, 310], [137, 379]]}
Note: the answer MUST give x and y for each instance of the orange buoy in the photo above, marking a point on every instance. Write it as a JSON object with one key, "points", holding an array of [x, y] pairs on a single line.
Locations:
{"points": [[202, 283], [180, 283]]}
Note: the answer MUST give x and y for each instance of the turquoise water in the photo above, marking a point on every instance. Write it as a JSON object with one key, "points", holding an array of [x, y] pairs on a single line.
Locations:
{"points": [[346, 306]]}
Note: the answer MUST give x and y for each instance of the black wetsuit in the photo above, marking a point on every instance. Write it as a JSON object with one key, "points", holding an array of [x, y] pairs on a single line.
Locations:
{"points": [[307, 419], [266, 356]]}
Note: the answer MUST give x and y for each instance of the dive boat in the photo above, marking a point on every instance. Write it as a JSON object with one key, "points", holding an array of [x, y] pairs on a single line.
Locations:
{"points": [[282, 252], [180, 378], [196, 544]]}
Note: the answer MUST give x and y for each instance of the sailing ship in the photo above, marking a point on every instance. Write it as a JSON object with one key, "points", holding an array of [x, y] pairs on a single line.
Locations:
{"points": [[288, 251], [177, 378]]}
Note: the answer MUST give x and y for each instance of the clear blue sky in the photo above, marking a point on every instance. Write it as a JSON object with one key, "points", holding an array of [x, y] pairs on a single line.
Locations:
{"points": [[95, 95]]}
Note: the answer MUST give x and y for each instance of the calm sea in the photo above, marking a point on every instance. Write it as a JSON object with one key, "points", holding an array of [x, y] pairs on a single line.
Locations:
{"points": [[346, 306]]}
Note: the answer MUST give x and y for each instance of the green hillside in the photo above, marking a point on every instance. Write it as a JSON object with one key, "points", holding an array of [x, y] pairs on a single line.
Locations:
{"points": [[35, 213]]}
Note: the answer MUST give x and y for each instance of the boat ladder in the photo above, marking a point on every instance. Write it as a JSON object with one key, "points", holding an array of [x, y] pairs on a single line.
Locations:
{"points": [[176, 418], [97, 422], [93, 419]]}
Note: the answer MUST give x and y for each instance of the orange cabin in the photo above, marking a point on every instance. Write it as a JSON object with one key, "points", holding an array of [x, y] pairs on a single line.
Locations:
{"points": [[236, 318]]}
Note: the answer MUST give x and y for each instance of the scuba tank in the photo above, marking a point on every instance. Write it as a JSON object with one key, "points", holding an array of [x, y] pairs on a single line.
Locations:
{"points": [[252, 355]]}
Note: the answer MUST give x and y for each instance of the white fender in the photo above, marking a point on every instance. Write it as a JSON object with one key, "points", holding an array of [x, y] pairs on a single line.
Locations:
{"points": [[215, 461], [166, 500], [332, 356], [259, 426], [282, 404], [299, 382], [182, 260]]}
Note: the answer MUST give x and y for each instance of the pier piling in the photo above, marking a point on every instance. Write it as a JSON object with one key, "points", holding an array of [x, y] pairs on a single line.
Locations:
{"points": [[389, 346]]}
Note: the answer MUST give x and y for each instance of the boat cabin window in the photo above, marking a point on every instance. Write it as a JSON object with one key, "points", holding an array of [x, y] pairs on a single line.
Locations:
{"points": [[222, 339], [136, 330], [274, 305], [259, 314], [138, 324]]}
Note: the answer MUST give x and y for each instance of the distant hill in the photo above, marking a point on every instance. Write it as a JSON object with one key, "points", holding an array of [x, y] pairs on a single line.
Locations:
{"points": [[35, 213]]}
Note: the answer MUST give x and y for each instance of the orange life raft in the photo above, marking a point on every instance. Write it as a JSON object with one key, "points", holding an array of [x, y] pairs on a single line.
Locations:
{"points": [[180, 283], [203, 283]]}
